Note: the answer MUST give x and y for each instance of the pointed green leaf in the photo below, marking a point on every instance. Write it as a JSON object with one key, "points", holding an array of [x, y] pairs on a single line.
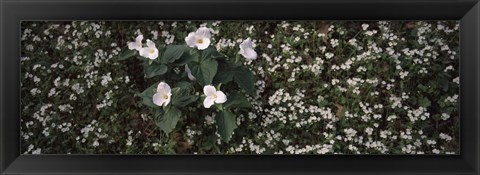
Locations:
{"points": [[226, 123], [183, 84], [204, 71], [237, 100], [225, 72], [187, 57], [168, 120], [181, 96], [245, 80], [242, 76], [155, 69], [172, 53], [147, 96], [126, 54], [424, 102], [211, 53]]}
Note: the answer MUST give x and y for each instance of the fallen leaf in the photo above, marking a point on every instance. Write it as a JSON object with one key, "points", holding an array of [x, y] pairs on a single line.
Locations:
{"points": [[324, 30], [410, 25], [340, 110]]}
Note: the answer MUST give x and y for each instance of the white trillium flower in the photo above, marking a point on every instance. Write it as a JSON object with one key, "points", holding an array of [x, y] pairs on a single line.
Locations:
{"points": [[189, 73], [199, 39], [213, 96], [150, 51], [246, 50], [137, 45], [162, 97]]}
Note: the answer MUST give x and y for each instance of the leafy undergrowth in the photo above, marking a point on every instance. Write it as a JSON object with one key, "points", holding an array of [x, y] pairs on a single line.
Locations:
{"points": [[325, 87]]}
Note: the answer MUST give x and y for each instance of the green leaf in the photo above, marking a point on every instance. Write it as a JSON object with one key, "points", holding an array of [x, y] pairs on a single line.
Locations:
{"points": [[172, 53], [188, 56], [185, 100], [223, 77], [155, 69], [211, 53], [443, 82], [147, 96], [183, 84], [225, 72], [436, 67], [226, 123], [237, 100], [181, 96], [168, 120], [424, 102], [204, 71], [126, 54], [244, 78]]}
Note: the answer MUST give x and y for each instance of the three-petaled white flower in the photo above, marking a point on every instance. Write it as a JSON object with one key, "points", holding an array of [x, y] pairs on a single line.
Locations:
{"points": [[199, 39], [213, 96], [189, 73], [137, 45], [246, 49], [162, 97], [150, 51]]}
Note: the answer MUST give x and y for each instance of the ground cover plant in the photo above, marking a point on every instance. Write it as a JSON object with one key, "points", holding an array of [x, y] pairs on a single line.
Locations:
{"points": [[240, 87]]}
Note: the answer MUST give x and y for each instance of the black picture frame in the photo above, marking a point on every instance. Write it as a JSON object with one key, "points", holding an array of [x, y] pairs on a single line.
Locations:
{"points": [[14, 11]]}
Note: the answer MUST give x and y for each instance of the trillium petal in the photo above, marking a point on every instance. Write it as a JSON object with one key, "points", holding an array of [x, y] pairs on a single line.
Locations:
{"points": [[132, 45], [250, 54], [221, 97], [204, 32], [163, 88], [189, 73], [150, 44], [144, 52], [158, 99], [246, 50], [190, 39], [208, 102], [204, 44], [139, 39], [209, 90], [167, 101], [246, 44], [153, 55], [137, 45]]}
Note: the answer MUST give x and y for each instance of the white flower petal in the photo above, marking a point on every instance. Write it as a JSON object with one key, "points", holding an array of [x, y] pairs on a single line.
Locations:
{"points": [[132, 45], [153, 55], [246, 44], [208, 102], [246, 50], [158, 99], [204, 44], [139, 39], [221, 97], [167, 101], [163, 88], [209, 90], [249, 54], [150, 44], [137, 45], [144, 52], [190, 39], [204, 32]]}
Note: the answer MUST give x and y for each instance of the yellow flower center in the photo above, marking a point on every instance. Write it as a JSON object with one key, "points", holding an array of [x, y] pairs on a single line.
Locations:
{"points": [[165, 97], [152, 51], [199, 41]]}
